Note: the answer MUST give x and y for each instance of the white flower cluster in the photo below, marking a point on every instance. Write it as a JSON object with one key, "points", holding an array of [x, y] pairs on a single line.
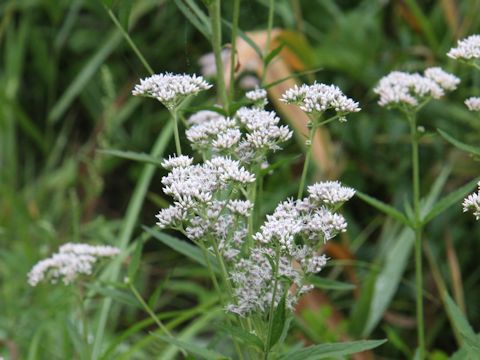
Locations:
{"points": [[401, 88], [472, 202], [298, 228], [170, 89], [258, 96], [197, 210], [473, 103], [71, 261], [467, 49], [320, 98], [248, 136]]}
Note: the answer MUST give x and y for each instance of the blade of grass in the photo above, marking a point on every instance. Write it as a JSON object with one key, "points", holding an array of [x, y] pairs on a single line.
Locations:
{"points": [[133, 210]]}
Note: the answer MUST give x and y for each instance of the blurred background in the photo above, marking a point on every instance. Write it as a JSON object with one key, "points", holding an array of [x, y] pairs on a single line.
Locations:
{"points": [[67, 73]]}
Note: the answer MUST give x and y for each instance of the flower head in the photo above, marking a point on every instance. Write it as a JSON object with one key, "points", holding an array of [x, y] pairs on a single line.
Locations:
{"points": [[472, 202], [405, 89], [320, 98], [170, 89], [467, 49], [473, 103], [258, 96], [71, 261]]}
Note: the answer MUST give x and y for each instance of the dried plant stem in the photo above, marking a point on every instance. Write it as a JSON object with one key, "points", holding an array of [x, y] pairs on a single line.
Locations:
{"points": [[418, 233]]}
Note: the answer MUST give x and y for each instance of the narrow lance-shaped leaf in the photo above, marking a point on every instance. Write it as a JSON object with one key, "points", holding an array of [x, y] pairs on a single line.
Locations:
{"points": [[193, 349], [460, 145], [279, 321], [449, 200], [131, 155], [325, 351], [385, 208]]}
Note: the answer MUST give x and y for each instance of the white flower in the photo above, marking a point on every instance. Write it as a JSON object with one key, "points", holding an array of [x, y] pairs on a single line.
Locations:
{"points": [[240, 207], [330, 192], [468, 48], [227, 139], [258, 96], [177, 161], [71, 261], [171, 216], [472, 202], [320, 98], [170, 89], [445, 80], [400, 88], [473, 103]]}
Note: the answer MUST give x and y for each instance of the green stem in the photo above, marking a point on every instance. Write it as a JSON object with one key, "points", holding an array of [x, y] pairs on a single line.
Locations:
{"points": [[272, 303], [216, 21], [418, 234], [175, 132], [271, 11], [129, 222], [308, 157], [147, 308], [233, 59], [83, 316]]}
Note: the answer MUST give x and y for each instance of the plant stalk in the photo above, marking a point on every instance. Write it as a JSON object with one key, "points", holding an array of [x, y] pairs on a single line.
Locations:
{"points": [[216, 21], [175, 132], [272, 304], [418, 234], [233, 54], [308, 157]]}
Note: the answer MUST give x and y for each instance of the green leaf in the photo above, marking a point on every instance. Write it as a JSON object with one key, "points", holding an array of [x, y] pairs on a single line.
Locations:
{"points": [[389, 277], [196, 16], [124, 11], [192, 348], [385, 208], [462, 146], [272, 54], [471, 342], [449, 200], [244, 336], [132, 155], [324, 351], [246, 38], [135, 261], [279, 321], [183, 248], [328, 284], [428, 203]]}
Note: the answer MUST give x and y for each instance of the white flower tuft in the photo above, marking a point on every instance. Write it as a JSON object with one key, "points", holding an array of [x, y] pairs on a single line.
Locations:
{"points": [[170, 89], [177, 161], [320, 98], [472, 202], [400, 88], [445, 80], [240, 207], [258, 96], [473, 103], [330, 192], [467, 49], [71, 261]]}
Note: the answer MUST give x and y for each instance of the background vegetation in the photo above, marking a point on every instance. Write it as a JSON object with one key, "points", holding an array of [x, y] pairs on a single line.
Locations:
{"points": [[67, 72]]}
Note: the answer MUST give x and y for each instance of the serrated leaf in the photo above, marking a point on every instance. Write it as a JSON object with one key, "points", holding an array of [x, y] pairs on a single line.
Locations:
{"points": [[458, 144], [183, 247], [279, 322], [244, 336], [449, 200], [324, 351], [191, 348], [132, 155], [383, 207], [329, 284]]}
